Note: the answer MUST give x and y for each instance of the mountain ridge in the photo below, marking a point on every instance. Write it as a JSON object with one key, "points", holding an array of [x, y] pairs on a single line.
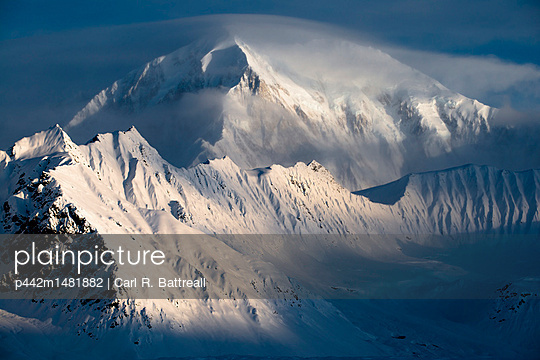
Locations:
{"points": [[125, 177], [118, 183]]}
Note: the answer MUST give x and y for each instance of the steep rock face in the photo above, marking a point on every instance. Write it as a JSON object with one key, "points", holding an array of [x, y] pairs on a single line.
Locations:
{"points": [[368, 124]]}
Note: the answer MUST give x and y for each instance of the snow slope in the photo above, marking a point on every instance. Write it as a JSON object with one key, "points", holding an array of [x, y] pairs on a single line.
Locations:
{"points": [[118, 183]]}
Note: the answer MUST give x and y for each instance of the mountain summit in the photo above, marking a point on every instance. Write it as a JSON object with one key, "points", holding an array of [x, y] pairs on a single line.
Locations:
{"points": [[365, 116]]}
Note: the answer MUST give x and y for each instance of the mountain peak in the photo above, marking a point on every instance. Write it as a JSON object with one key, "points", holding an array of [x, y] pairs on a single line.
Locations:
{"points": [[47, 142], [166, 79], [225, 60], [133, 133], [367, 117]]}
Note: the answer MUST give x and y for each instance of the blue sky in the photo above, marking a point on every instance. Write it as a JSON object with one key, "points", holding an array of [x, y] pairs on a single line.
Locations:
{"points": [[56, 55]]}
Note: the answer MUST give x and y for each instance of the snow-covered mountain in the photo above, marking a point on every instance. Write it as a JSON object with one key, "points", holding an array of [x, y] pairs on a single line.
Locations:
{"points": [[365, 116], [118, 183], [265, 136]]}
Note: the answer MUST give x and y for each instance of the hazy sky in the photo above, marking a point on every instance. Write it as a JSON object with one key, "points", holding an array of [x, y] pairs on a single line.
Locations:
{"points": [[56, 55]]}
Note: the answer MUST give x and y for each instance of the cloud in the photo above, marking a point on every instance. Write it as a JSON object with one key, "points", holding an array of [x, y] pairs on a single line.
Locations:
{"points": [[488, 79], [509, 117]]}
